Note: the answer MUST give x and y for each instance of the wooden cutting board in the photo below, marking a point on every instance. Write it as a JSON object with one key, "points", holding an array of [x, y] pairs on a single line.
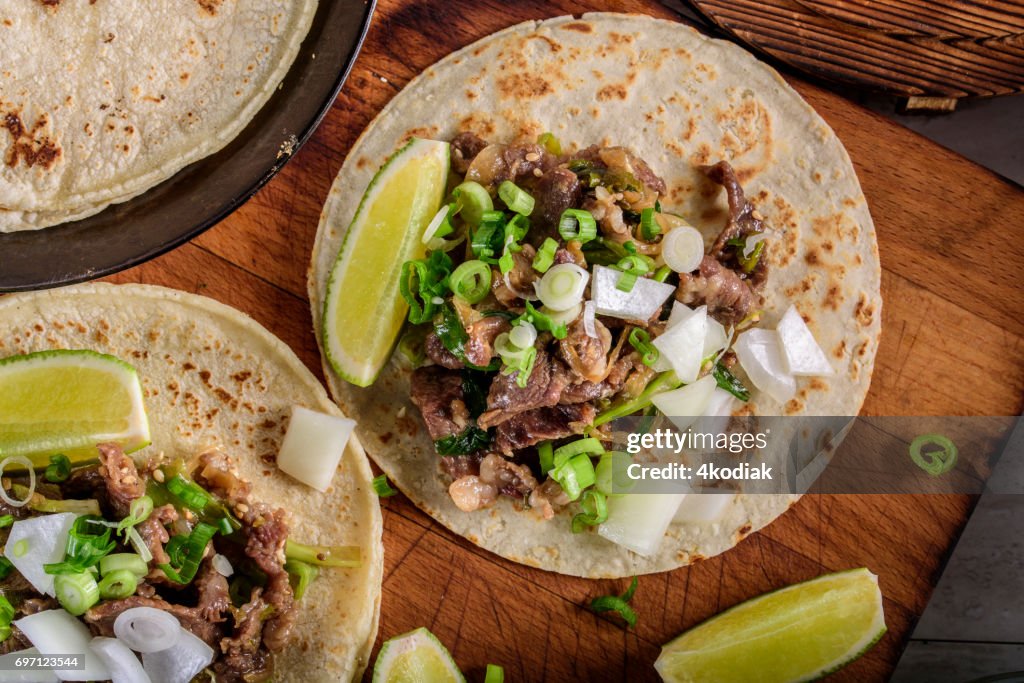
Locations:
{"points": [[950, 236]]}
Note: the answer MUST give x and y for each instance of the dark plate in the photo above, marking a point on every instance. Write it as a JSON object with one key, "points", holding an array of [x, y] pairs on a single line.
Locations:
{"points": [[207, 191]]}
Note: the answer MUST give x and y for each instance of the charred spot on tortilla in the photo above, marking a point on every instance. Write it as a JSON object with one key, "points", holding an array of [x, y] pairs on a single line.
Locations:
{"points": [[28, 145]]}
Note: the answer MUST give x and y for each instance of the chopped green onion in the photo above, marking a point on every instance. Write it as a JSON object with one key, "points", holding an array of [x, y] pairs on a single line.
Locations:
{"points": [[663, 382], [300, 575], [118, 584], [934, 462], [495, 674], [323, 555], [7, 613], [577, 224], [547, 458], [595, 511], [545, 255], [84, 548], [489, 239], [574, 475], [6, 521], [590, 446], [175, 549], [610, 479], [729, 382], [225, 527], [412, 345], [382, 488], [190, 493], [453, 336], [20, 548], [626, 282], [471, 281], [470, 440], [6, 567], [517, 358], [76, 592], [59, 469], [423, 281], [542, 322], [124, 561], [190, 554], [617, 603], [662, 274], [641, 341], [516, 199], [549, 142], [649, 227], [747, 263], [140, 510], [474, 201]]}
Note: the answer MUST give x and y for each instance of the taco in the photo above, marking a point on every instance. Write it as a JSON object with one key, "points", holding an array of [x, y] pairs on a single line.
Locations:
{"points": [[266, 576], [601, 145]]}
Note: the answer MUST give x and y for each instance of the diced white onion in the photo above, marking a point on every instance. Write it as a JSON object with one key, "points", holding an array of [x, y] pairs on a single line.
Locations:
{"points": [[751, 243], [684, 405], [589, 318], [683, 249], [27, 464], [13, 675], [566, 317], [37, 541], [645, 299], [717, 414], [638, 521], [312, 446], [56, 632], [222, 565], [523, 335], [435, 224], [800, 350], [562, 286], [139, 544], [760, 356], [704, 507], [528, 296], [716, 339], [147, 629], [180, 663], [683, 345], [124, 666]]}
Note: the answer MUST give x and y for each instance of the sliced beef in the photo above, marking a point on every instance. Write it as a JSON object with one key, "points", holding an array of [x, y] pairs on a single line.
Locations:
{"points": [[508, 477], [154, 535], [571, 253], [555, 191], [622, 160], [496, 163], [214, 600], [728, 296], [543, 424], [217, 476], [438, 394], [266, 531], [548, 498], [100, 618], [479, 348], [465, 147], [458, 466], [436, 352], [84, 482], [242, 659], [520, 279], [743, 222], [586, 356], [121, 478], [506, 398]]}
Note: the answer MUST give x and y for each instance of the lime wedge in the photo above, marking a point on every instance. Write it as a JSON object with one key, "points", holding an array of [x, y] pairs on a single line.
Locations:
{"points": [[67, 402], [798, 633], [363, 309], [415, 657]]}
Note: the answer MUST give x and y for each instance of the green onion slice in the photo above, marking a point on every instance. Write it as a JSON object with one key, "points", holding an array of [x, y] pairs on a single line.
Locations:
{"points": [[595, 511], [546, 455], [189, 493], [474, 201], [84, 547], [323, 555], [76, 592], [123, 562], [618, 603], [190, 554], [59, 469], [577, 224], [649, 227], [545, 257], [641, 341], [590, 446], [934, 461], [300, 575], [471, 281], [382, 488], [118, 584], [542, 322], [6, 567], [6, 521], [662, 274], [516, 199], [549, 142], [574, 475]]}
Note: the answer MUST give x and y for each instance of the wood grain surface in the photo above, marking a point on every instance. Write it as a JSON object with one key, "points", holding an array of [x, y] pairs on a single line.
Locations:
{"points": [[953, 341]]}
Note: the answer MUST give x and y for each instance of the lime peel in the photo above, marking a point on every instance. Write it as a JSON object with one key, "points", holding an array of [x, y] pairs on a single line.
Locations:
{"points": [[414, 657]]}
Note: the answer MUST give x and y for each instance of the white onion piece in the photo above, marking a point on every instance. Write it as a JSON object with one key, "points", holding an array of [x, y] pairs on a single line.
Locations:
{"points": [[801, 352], [139, 544], [434, 225], [703, 507], [147, 629], [641, 303], [589, 318], [716, 339], [566, 317], [37, 541], [124, 666], [638, 521], [10, 674], [751, 243], [683, 345], [760, 356], [312, 446], [717, 414], [561, 288], [222, 565], [523, 335], [56, 632], [684, 405], [27, 464], [683, 249], [180, 663], [528, 296]]}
